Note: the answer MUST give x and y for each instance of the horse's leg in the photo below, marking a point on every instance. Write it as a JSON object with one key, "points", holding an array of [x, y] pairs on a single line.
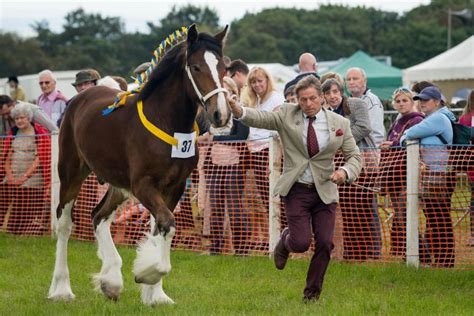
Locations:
{"points": [[60, 288], [109, 280], [153, 254]]}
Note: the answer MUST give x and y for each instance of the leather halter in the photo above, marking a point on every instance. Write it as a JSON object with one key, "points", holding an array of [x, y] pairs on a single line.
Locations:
{"points": [[202, 99]]}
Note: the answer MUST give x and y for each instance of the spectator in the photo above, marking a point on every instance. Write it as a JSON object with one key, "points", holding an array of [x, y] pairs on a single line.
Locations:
{"points": [[226, 182], [434, 132], [467, 119], [308, 66], [123, 85], [263, 97], [26, 161], [290, 95], [393, 167], [52, 101], [85, 79], [17, 92], [358, 239], [353, 109], [311, 136], [7, 122], [332, 75], [418, 86], [356, 81], [238, 71], [109, 82]]}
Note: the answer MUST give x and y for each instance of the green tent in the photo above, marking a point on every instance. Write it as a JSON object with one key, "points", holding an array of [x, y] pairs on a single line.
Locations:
{"points": [[381, 79]]}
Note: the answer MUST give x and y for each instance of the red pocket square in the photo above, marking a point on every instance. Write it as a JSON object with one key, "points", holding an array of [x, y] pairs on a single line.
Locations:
{"points": [[339, 132]]}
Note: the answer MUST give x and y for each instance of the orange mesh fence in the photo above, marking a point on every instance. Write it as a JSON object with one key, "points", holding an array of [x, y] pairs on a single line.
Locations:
{"points": [[25, 181], [447, 206], [225, 207]]}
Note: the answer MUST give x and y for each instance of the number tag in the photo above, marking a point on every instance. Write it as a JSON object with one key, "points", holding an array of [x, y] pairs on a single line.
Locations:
{"points": [[186, 145]]}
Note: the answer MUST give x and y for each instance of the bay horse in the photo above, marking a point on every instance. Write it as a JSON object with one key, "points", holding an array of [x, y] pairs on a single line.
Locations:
{"points": [[122, 151]]}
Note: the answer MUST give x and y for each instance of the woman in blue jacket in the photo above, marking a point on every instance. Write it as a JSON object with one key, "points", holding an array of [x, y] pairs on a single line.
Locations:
{"points": [[434, 133]]}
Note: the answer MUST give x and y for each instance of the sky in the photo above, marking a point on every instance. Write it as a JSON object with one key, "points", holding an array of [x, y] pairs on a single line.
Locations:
{"points": [[19, 15]]}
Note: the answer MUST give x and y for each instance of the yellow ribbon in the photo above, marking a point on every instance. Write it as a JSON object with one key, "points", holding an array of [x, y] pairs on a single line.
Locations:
{"points": [[157, 131]]}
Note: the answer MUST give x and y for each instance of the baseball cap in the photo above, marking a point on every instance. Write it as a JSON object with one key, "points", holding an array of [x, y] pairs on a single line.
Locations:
{"points": [[429, 93]]}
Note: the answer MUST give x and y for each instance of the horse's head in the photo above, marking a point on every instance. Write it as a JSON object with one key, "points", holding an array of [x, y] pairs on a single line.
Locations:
{"points": [[205, 70]]}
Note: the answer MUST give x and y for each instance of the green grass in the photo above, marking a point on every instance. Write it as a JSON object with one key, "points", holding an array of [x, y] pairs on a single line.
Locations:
{"points": [[226, 285]]}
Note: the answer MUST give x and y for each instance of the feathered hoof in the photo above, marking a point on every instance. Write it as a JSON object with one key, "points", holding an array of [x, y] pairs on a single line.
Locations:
{"points": [[58, 297], [111, 292], [150, 275], [160, 301]]}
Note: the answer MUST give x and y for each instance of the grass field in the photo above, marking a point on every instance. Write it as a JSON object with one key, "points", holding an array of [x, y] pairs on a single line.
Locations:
{"points": [[226, 285]]}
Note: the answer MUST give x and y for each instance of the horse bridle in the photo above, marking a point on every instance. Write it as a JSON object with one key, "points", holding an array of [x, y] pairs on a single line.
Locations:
{"points": [[202, 99]]}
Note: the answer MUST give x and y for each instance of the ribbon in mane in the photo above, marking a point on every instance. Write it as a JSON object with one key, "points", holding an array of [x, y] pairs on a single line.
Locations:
{"points": [[142, 78]]}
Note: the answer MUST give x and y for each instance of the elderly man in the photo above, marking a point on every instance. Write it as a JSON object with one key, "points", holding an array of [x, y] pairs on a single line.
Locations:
{"points": [[311, 136], [308, 65], [86, 79], [356, 83], [52, 101]]}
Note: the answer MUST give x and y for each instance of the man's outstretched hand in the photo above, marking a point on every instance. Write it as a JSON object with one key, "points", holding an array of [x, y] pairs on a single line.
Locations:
{"points": [[235, 107]]}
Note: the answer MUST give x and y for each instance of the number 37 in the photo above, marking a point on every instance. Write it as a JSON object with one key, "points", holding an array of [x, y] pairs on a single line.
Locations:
{"points": [[186, 146]]}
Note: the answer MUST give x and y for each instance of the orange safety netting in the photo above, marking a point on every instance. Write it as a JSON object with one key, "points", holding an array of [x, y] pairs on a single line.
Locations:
{"points": [[225, 207]]}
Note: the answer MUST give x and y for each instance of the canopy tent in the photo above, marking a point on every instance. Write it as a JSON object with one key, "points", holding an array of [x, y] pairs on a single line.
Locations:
{"points": [[451, 70], [381, 78], [455, 63]]}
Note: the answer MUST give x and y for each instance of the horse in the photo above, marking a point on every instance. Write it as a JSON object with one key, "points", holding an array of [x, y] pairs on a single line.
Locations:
{"points": [[123, 151]]}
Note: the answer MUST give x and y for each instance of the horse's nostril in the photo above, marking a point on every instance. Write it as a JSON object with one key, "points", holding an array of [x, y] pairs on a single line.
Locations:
{"points": [[217, 117]]}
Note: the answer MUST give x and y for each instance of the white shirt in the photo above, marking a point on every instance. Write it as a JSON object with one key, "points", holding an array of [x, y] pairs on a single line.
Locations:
{"points": [[274, 100], [320, 125]]}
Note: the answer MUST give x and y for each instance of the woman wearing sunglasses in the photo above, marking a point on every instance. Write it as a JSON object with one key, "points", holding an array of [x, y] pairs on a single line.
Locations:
{"points": [[393, 166]]}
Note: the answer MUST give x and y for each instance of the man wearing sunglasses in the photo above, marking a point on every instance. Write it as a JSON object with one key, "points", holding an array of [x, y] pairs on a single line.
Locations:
{"points": [[238, 71], [52, 101]]}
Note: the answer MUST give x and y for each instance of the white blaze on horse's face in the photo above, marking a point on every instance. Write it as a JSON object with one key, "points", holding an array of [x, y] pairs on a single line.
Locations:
{"points": [[222, 109]]}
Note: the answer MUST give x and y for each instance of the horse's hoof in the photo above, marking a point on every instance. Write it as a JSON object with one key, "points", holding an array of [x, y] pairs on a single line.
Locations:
{"points": [[150, 275], [61, 297], [111, 292], [160, 301]]}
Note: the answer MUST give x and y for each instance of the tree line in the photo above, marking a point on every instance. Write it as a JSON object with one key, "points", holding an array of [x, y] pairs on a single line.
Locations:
{"points": [[272, 35]]}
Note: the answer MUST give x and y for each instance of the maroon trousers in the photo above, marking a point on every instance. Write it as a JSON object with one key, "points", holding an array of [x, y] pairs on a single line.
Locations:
{"points": [[307, 214]]}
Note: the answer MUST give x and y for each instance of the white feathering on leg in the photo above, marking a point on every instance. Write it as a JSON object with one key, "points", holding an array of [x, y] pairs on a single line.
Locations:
{"points": [[153, 258]]}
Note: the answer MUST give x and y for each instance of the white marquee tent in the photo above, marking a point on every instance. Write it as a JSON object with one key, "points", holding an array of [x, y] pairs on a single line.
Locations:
{"points": [[451, 70], [455, 63], [281, 74]]}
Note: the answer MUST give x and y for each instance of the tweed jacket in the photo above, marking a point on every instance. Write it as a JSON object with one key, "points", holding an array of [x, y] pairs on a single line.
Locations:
{"points": [[288, 121], [360, 121]]}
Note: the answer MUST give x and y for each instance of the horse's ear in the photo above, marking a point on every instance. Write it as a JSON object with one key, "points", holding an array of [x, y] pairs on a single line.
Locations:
{"points": [[192, 34], [221, 36]]}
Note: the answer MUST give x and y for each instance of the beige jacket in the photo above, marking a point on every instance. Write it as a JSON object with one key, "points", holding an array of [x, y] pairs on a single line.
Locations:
{"points": [[288, 121]]}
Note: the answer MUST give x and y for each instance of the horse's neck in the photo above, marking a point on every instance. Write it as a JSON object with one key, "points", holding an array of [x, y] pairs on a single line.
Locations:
{"points": [[169, 106]]}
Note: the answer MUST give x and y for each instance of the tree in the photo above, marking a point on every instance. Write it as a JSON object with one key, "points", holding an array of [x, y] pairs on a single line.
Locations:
{"points": [[29, 57]]}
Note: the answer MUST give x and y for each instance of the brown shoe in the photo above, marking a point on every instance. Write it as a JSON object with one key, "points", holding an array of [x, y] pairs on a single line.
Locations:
{"points": [[280, 253]]}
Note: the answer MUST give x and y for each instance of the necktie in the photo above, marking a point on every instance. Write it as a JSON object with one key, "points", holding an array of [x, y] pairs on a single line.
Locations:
{"points": [[311, 140]]}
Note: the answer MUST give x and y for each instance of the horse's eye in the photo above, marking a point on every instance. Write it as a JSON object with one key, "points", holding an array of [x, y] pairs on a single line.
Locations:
{"points": [[196, 68]]}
